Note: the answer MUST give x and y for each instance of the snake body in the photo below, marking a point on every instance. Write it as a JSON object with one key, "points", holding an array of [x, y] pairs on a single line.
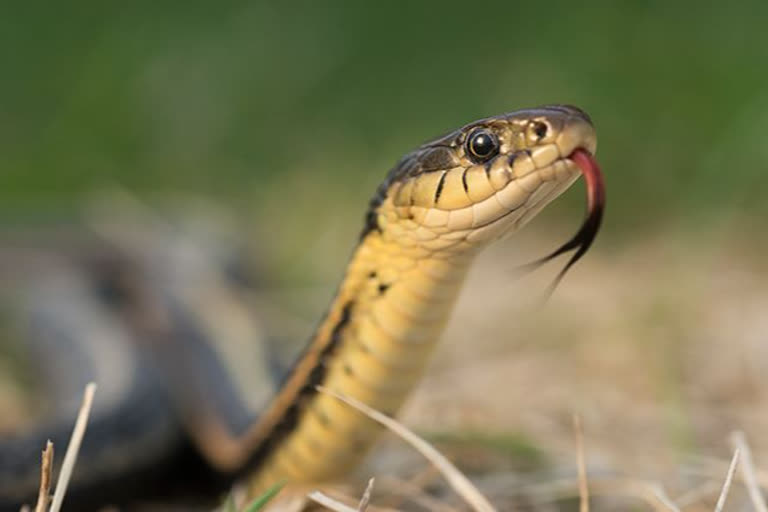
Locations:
{"points": [[435, 211]]}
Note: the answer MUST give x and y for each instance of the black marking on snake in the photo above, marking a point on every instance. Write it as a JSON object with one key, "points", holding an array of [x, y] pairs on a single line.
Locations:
{"points": [[348, 370], [372, 274], [440, 154], [435, 156], [318, 373], [511, 158], [383, 287], [487, 167], [371, 222], [434, 159], [464, 180], [290, 419], [440, 185]]}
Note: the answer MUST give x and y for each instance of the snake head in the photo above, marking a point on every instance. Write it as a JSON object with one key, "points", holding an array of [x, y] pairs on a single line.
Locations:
{"points": [[485, 180]]}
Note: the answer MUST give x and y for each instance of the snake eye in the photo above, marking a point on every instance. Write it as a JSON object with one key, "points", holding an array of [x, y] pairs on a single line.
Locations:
{"points": [[482, 145]]}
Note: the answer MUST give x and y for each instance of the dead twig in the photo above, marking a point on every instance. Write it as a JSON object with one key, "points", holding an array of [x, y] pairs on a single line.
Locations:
{"points": [[366, 499], [661, 495], [70, 457], [46, 468], [728, 480], [328, 502], [748, 474], [334, 499], [713, 468], [581, 464]]}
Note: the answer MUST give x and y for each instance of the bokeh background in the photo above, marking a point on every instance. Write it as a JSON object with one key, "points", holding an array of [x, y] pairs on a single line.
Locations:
{"points": [[287, 115]]}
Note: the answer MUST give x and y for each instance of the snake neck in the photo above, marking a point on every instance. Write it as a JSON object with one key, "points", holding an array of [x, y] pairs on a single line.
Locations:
{"points": [[393, 300], [372, 345]]}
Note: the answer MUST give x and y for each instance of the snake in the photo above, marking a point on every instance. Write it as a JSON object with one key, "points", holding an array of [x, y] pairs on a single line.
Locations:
{"points": [[174, 411]]}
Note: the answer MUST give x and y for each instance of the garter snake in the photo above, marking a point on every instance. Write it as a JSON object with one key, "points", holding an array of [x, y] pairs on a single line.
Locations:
{"points": [[434, 212]]}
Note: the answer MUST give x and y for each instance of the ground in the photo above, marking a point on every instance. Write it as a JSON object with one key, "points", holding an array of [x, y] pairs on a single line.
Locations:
{"points": [[655, 342]]}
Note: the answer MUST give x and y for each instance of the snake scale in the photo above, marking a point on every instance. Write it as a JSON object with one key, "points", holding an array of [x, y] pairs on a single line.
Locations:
{"points": [[175, 404]]}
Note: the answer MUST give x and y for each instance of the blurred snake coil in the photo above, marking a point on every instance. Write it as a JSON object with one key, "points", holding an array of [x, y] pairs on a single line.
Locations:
{"points": [[434, 212]]}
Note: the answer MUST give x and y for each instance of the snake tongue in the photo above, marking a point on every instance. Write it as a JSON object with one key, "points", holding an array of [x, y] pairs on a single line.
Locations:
{"points": [[586, 234]]}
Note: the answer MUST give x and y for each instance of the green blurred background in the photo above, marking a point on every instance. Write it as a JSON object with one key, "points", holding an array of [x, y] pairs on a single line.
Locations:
{"points": [[258, 103]]}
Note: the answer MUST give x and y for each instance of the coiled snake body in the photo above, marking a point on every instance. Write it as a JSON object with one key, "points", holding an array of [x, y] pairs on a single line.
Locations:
{"points": [[431, 216]]}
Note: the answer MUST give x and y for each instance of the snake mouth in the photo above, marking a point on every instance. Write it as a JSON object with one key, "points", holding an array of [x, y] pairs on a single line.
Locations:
{"points": [[582, 240]]}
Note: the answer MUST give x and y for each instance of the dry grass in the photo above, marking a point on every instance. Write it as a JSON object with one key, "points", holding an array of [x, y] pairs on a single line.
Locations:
{"points": [[581, 464], [659, 347], [652, 493], [728, 481], [73, 448], [458, 482], [739, 443], [46, 469], [44, 501]]}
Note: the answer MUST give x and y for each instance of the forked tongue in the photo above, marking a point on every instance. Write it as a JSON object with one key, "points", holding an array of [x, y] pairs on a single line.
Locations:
{"points": [[584, 237]]}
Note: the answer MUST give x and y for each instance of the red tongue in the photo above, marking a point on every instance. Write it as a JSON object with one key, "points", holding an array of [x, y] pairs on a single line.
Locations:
{"points": [[595, 184], [595, 202], [584, 237]]}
